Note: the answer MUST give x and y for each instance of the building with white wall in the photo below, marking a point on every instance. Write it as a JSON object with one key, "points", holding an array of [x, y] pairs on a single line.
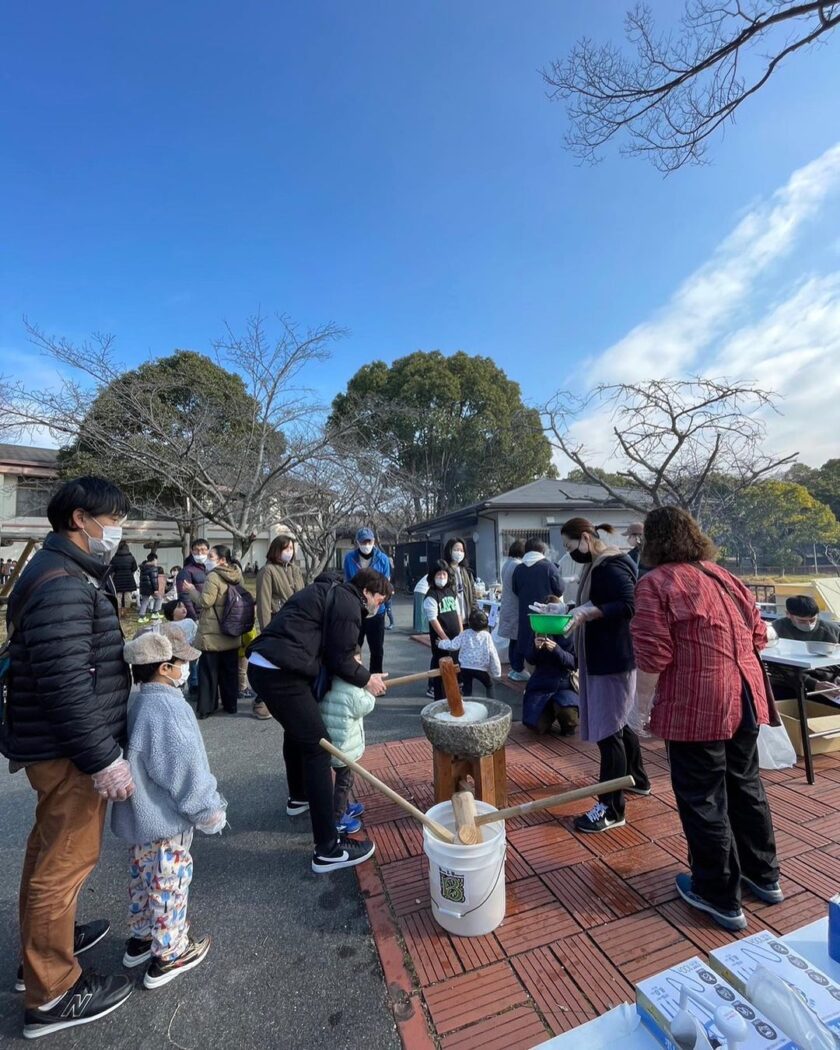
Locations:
{"points": [[28, 478], [537, 509]]}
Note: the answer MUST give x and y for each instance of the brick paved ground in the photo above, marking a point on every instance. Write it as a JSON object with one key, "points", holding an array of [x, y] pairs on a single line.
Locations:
{"points": [[587, 916]]}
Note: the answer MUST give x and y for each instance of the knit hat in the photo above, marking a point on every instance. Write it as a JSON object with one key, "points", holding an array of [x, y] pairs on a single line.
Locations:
{"points": [[159, 645], [636, 528], [802, 605], [364, 535]]}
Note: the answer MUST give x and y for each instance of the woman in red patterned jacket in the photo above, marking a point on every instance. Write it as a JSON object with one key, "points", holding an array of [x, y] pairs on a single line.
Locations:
{"points": [[696, 635]]}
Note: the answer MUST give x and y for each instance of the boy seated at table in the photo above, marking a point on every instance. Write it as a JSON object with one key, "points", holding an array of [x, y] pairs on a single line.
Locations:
{"points": [[803, 624]]}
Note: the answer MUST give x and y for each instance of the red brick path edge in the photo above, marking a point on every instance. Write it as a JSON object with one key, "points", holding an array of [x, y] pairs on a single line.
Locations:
{"points": [[587, 916]]}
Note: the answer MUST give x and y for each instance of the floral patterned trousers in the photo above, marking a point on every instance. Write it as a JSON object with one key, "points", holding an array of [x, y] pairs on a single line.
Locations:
{"points": [[160, 874]]}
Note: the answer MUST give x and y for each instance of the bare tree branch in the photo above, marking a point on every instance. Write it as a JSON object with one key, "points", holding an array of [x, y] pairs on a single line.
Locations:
{"points": [[671, 439], [680, 88]]}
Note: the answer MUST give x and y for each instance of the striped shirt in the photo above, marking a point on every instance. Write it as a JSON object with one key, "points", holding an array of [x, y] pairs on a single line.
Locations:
{"points": [[694, 636]]}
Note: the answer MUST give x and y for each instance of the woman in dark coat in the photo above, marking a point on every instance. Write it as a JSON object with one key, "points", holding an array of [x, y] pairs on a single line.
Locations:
{"points": [[124, 569], [606, 665]]}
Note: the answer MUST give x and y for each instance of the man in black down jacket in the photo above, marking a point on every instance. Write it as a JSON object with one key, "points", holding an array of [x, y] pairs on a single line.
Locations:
{"points": [[532, 581], [320, 624], [65, 723]]}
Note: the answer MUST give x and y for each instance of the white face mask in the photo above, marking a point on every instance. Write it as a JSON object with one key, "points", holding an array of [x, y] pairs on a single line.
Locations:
{"points": [[183, 676], [457, 557], [441, 581], [103, 546], [366, 548], [807, 626], [286, 556], [200, 558]]}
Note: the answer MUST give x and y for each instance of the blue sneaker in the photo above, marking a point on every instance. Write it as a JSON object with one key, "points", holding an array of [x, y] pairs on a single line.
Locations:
{"points": [[348, 825], [354, 809], [728, 919]]}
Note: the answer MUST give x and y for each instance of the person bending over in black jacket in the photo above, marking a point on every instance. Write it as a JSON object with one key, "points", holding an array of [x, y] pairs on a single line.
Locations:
{"points": [[317, 628], [65, 723]]}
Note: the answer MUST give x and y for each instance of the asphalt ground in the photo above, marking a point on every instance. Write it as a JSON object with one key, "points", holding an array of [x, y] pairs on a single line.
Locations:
{"points": [[293, 964]]}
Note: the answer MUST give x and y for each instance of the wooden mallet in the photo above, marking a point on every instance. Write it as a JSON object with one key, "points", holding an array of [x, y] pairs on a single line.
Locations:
{"points": [[449, 676], [463, 807]]}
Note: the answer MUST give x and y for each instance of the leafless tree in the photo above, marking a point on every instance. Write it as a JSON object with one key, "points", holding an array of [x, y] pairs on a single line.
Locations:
{"points": [[678, 442], [227, 459], [342, 487], [680, 88]]}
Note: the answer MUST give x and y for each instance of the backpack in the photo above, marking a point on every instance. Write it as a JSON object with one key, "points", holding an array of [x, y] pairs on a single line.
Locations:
{"points": [[238, 615]]}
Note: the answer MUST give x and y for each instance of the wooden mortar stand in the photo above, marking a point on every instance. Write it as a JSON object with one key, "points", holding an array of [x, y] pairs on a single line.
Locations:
{"points": [[489, 772]]}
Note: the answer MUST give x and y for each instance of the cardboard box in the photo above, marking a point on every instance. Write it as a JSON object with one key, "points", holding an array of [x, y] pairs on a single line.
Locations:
{"points": [[822, 718], [738, 961], [658, 1000]]}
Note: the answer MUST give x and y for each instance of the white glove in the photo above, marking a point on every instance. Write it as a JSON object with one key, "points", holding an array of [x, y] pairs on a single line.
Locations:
{"points": [[114, 782], [555, 609], [583, 614], [214, 823], [645, 691]]}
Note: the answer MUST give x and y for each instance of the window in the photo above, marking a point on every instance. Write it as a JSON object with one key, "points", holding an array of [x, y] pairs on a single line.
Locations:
{"points": [[33, 496], [509, 535]]}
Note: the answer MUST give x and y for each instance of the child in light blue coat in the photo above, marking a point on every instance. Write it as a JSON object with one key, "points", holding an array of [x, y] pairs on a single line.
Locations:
{"points": [[343, 710]]}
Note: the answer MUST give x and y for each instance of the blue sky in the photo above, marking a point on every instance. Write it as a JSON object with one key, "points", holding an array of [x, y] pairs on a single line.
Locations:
{"points": [[396, 168]]}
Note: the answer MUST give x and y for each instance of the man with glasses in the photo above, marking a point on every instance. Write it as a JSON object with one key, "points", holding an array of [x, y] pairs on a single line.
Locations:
{"points": [[65, 724]]}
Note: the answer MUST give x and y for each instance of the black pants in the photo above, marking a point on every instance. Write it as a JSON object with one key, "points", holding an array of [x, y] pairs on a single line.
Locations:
{"points": [[373, 628], [290, 700], [341, 793], [724, 814], [516, 658], [218, 675], [468, 677], [620, 755]]}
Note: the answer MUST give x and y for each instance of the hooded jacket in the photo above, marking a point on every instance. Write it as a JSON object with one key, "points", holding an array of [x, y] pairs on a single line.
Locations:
{"points": [[379, 562], [292, 641], [68, 682], [343, 710], [210, 638]]}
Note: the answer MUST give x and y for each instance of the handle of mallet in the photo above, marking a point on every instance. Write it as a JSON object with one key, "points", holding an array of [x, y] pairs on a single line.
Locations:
{"points": [[437, 829], [407, 679], [557, 800]]}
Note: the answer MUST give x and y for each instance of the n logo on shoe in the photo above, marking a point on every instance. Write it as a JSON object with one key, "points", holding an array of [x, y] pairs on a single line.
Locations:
{"points": [[76, 1005]]}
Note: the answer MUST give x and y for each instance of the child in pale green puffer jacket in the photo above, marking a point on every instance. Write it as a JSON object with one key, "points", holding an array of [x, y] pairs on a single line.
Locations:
{"points": [[343, 710]]}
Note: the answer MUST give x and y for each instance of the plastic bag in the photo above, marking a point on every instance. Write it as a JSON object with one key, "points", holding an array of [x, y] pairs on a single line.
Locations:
{"points": [[775, 751]]}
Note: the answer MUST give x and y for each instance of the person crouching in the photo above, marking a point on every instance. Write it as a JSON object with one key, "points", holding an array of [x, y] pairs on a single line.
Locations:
{"points": [[175, 792], [549, 695]]}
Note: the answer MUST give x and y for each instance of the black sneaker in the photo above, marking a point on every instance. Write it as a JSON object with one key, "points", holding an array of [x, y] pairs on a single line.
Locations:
{"points": [[137, 952], [160, 973], [597, 819], [85, 935], [638, 790], [295, 808], [347, 853], [769, 892], [728, 918], [91, 997]]}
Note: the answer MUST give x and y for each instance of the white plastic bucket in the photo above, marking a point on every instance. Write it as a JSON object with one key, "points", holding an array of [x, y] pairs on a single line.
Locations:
{"points": [[467, 882]]}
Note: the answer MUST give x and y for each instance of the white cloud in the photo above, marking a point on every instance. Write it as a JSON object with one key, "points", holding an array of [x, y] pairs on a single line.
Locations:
{"points": [[707, 302]]}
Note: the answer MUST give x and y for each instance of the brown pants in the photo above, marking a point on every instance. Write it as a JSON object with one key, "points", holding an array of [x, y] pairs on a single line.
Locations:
{"points": [[61, 852]]}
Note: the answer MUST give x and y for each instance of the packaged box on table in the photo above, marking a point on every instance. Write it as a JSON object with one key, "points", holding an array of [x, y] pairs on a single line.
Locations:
{"points": [[658, 1002], [737, 962]]}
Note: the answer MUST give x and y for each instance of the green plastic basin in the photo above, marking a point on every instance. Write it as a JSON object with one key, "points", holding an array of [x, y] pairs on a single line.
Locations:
{"points": [[542, 623]]}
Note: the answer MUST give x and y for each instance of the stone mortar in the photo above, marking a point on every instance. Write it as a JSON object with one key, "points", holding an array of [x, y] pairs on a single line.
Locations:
{"points": [[468, 738]]}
